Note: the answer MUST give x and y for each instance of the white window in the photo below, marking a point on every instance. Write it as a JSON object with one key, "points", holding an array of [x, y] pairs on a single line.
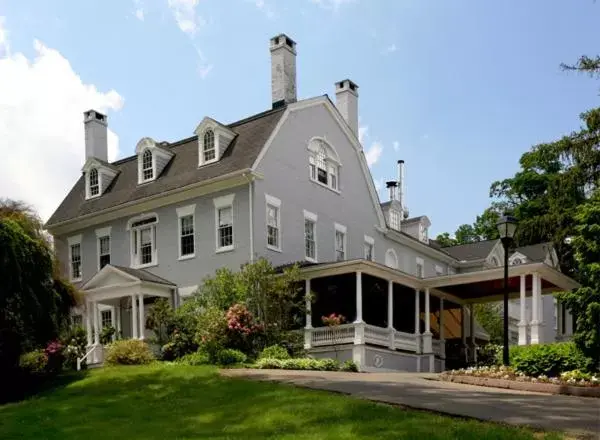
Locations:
{"points": [[94, 182], [106, 318], [75, 271], [273, 223], [77, 320], [369, 246], [394, 219], [147, 166], [494, 261], [143, 241], [104, 250], [423, 232], [420, 268], [391, 259], [439, 270], [323, 164], [516, 261], [208, 148], [224, 222], [340, 242], [310, 236], [187, 245]]}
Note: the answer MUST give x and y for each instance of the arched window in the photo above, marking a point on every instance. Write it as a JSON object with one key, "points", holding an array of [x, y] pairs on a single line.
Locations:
{"points": [[147, 168], [208, 147], [391, 259], [494, 261], [516, 261], [323, 164], [94, 182]]}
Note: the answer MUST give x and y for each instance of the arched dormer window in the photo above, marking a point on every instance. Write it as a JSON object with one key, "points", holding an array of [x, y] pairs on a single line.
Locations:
{"points": [[94, 182], [323, 164], [208, 147], [391, 259], [147, 166]]}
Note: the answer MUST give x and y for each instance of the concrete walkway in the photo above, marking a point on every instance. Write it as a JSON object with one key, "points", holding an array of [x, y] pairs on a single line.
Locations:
{"points": [[575, 415]]}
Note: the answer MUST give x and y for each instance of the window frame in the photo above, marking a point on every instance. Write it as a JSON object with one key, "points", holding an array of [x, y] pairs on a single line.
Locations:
{"points": [[185, 212], [369, 243], [209, 134], [312, 219], [394, 219], [322, 156], [93, 172], [439, 270], [147, 153], [341, 229], [420, 263], [135, 232], [274, 203], [72, 242], [220, 203]]}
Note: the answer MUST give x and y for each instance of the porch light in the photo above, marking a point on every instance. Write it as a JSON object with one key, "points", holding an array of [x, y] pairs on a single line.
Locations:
{"points": [[507, 225]]}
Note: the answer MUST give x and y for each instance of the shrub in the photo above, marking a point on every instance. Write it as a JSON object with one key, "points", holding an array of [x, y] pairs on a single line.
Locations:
{"points": [[211, 332], [269, 364], [489, 354], [180, 345], [128, 352], [547, 359], [34, 362], [229, 356], [274, 352], [75, 343], [194, 359], [349, 366], [55, 357], [328, 365], [106, 334]]}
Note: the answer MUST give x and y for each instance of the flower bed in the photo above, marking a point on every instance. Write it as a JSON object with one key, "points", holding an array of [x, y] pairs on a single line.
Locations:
{"points": [[571, 382], [305, 364]]}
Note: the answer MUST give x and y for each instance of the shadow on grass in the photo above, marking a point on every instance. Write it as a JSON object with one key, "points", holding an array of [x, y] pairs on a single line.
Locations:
{"points": [[19, 386], [165, 402]]}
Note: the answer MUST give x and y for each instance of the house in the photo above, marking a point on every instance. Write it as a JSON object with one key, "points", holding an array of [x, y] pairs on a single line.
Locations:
{"points": [[290, 184]]}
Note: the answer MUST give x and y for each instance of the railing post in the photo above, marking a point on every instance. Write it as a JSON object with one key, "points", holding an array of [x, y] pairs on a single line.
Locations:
{"points": [[359, 333], [308, 332]]}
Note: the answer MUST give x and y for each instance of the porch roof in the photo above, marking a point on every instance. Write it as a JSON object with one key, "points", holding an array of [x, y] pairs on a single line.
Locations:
{"points": [[478, 286]]}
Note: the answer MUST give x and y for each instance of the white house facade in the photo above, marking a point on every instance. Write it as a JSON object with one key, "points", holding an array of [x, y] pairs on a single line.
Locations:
{"points": [[290, 184]]}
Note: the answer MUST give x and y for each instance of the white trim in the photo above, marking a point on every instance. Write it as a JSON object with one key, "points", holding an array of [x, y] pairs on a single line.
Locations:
{"points": [[275, 203], [310, 216], [103, 232], [74, 241], [420, 262], [340, 228], [141, 217], [183, 211], [220, 132], [133, 244], [221, 203], [98, 238], [369, 241], [186, 211], [439, 270], [392, 253]]}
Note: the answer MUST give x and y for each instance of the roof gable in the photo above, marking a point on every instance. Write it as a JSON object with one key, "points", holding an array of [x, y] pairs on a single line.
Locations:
{"points": [[472, 251]]}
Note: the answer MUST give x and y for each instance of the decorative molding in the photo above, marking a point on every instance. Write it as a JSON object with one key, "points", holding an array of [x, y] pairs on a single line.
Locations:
{"points": [[103, 232], [184, 211]]}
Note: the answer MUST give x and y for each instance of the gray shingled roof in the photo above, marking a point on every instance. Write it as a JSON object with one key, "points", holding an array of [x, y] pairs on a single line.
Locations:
{"points": [[143, 275], [182, 170], [535, 252], [471, 251]]}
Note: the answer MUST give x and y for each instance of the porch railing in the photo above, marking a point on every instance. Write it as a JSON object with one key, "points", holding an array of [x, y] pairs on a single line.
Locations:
{"points": [[94, 354], [405, 341], [341, 334], [377, 335]]}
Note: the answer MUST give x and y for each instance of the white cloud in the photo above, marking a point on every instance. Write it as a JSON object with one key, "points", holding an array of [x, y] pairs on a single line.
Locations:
{"points": [[42, 101], [185, 15], [396, 146], [390, 49], [332, 4], [4, 47], [362, 133], [374, 153], [139, 9]]}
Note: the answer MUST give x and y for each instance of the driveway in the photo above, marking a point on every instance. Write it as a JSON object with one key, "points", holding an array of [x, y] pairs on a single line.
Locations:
{"points": [[576, 415]]}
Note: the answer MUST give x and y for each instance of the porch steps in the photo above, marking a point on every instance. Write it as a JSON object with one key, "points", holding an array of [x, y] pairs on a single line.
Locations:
{"points": [[95, 365]]}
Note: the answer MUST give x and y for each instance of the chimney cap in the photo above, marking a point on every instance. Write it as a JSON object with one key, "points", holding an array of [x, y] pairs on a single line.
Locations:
{"points": [[401, 161], [94, 115], [391, 184], [282, 40], [346, 84]]}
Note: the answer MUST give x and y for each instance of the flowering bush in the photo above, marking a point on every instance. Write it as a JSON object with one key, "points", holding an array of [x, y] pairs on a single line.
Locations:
{"points": [[181, 343], [34, 362], [194, 359], [575, 377], [54, 354], [333, 320], [74, 342], [243, 332]]}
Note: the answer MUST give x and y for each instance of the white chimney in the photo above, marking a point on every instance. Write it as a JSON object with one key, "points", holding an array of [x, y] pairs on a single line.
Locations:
{"points": [[95, 126], [346, 100], [391, 186], [283, 70], [401, 185]]}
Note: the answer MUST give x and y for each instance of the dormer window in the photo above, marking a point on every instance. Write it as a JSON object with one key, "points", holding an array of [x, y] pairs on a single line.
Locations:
{"points": [[147, 166], [94, 183], [323, 164], [394, 219], [208, 148]]}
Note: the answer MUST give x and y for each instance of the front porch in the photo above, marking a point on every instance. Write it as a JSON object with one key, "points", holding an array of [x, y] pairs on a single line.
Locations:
{"points": [[396, 321]]}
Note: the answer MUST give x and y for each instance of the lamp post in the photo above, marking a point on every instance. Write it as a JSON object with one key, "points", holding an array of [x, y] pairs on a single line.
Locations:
{"points": [[507, 226]]}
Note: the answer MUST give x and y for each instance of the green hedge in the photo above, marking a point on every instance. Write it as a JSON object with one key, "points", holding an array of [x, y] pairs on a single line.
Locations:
{"points": [[274, 352], [128, 352], [229, 356], [197, 358], [305, 364], [548, 359], [34, 362]]}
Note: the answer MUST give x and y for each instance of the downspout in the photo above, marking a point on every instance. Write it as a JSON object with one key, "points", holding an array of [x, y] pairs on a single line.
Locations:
{"points": [[251, 214]]}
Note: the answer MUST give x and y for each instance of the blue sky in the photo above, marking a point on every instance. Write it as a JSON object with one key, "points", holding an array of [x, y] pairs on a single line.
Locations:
{"points": [[458, 89]]}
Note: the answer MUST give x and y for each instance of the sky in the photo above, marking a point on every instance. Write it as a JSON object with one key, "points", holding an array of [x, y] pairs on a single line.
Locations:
{"points": [[458, 89]]}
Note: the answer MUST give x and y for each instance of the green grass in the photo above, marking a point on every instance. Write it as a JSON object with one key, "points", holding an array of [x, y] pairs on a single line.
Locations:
{"points": [[163, 401]]}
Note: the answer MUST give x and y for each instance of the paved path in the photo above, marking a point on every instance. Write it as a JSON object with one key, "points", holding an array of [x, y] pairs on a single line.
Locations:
{"points": [[576, 415]]}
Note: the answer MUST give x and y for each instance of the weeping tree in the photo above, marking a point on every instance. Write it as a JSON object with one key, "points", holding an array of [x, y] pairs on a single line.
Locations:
{"points": [[35, 301]]}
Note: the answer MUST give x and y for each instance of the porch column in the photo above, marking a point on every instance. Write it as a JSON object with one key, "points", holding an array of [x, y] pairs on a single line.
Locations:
{"points": [[308, 326], [134, 316], [463, 331], [535, 303], [441, 324], [523, 311], [427, 342], [472, 331], [391, 313], [96, 323], [118, 320], [359, 316], [88, 322], [142, 320], [417, 322]]}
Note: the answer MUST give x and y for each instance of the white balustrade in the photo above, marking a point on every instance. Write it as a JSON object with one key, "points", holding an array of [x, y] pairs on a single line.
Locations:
{"points": [[377, 335], [341, 334], [405, 341]]}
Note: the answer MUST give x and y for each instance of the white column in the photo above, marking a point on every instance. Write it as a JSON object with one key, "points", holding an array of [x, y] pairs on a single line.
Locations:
{"points": [[472, 331], [390, 304], [88, 322], [427, 342], [463, 331], [142, 320], [417, 322], [442, 335], [523, 318], [535, 304], [308, 326], [134, 317], [96, 323], [359, 316], [118, 320]]}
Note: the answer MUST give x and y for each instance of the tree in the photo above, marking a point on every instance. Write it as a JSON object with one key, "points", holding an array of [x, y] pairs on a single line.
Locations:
{"points": [[489, 316], [584, 303], [35, 301], [484, 228], [160, 317], [445, 240]]}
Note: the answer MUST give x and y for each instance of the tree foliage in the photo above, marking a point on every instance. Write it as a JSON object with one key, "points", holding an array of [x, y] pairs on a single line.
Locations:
{"points": [[484, 228]]}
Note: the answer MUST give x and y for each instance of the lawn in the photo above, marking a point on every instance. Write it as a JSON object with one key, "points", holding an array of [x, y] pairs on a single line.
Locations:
{"points": [[165, 401]]}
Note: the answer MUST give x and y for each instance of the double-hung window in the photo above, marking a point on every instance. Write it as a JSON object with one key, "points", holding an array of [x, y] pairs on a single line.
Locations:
{"points": [[106, 318], [273, 222], [143, 242], [310, 236], [394, 219], [147, 166], [94, 182], [209, 150], [75, 270], [340, 242], [369, 246], [420, 268], [104, 251], [323, 164], [187, 243], [224, 222]]}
